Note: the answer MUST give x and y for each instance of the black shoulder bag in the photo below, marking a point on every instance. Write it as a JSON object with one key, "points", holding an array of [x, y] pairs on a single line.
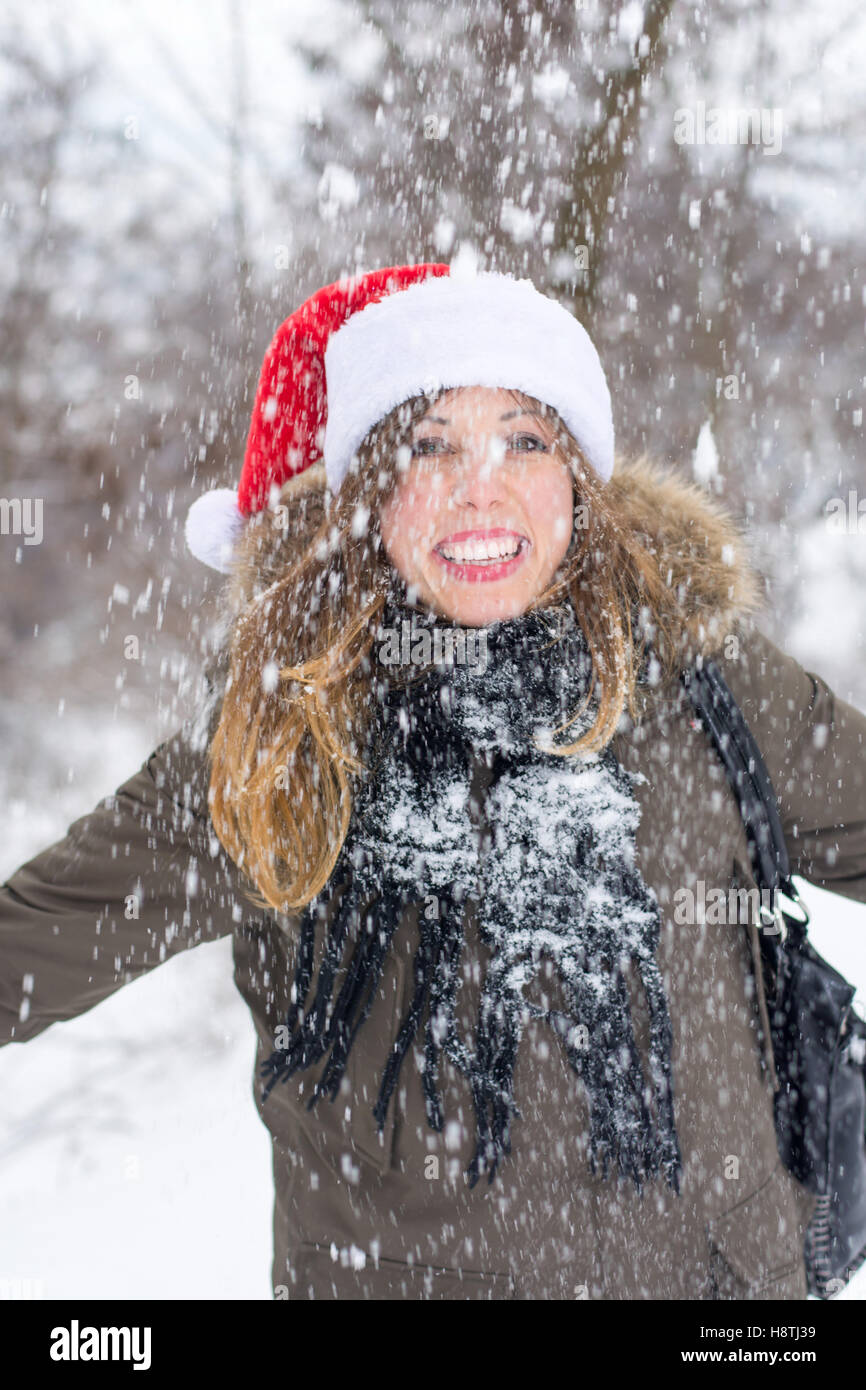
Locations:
{"points": [[818, 1041]]}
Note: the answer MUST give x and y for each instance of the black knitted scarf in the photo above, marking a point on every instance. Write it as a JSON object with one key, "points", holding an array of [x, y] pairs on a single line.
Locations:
{"points": [[553, 877]]}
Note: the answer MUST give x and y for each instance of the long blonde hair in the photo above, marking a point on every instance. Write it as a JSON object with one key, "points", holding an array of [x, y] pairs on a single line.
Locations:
{"points": [[298, 698]]}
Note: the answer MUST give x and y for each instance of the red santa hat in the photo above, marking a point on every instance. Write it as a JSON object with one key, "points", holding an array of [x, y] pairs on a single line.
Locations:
{"points": [[360, 347]]}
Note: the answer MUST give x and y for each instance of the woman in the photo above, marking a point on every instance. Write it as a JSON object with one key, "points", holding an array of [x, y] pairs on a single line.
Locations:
{"points": [[448, 799]]}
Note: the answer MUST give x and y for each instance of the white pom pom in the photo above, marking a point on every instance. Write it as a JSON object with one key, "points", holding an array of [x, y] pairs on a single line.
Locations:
{"points": [[213, 524]]}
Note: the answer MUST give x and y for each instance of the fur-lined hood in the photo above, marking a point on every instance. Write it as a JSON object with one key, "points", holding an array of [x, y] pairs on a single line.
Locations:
{"points": [[701, 551]]}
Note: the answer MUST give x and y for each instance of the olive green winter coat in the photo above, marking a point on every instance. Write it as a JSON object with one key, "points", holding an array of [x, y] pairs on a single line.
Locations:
{"points": [[362, 1215]]}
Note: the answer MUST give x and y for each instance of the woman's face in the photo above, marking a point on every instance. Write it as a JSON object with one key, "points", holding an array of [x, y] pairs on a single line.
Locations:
{"points": [[482, 518]]}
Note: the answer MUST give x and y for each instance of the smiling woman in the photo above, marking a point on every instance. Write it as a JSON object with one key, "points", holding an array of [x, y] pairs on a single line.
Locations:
{"points": [[482, 516], [448, 885]]}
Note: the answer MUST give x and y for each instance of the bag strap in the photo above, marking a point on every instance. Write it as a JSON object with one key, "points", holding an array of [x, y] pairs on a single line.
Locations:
{"points": [[747, 773]]}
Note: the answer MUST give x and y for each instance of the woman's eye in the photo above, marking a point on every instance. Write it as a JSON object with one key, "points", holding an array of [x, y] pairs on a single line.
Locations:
{"points": [[531, 439], [520, 443], [418, 446]]}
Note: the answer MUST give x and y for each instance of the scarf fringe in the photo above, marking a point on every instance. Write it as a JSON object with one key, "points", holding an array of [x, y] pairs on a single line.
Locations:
{"points": [[639, 1151]]}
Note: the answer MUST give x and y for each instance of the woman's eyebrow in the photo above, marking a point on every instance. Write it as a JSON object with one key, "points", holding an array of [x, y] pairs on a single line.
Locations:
{"points": [[438, 420]]}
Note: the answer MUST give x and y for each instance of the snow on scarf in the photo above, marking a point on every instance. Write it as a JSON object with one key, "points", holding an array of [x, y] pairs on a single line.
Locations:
{"points": [[554, 878]]}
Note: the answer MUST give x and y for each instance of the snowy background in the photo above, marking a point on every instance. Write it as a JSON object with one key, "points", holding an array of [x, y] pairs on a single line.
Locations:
{"points": [[175, 180]]}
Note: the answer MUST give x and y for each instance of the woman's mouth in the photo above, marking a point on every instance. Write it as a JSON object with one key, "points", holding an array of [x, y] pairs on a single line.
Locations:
{"points": [[482, 555]]}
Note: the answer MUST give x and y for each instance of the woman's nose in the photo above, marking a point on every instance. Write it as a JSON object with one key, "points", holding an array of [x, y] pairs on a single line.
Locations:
{"points": [[478, 484]]}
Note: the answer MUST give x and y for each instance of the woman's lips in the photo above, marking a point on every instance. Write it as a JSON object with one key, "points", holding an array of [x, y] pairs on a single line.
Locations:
{"points": [[482, 556]]}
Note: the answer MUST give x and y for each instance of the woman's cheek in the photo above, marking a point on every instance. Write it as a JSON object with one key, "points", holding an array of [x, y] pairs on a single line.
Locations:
{"points": [[562, 531], [415, 504], [416, 528], [559, 512]]}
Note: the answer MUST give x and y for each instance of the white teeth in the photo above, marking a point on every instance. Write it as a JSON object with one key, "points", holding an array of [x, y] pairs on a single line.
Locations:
{"points": [[481, 551]]}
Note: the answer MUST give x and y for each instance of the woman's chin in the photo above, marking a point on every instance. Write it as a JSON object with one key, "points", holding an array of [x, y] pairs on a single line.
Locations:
{"points": [[478, 605]]}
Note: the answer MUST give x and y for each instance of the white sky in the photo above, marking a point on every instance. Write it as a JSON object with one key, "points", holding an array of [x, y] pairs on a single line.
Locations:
{"points": [[152, 52]]}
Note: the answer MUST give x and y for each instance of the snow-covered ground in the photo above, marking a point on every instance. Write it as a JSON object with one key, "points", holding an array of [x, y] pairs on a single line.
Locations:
{"points": [[133, 1163]]}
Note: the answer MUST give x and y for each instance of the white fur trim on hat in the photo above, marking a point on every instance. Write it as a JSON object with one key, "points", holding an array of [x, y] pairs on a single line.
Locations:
{"points": [[486, 329], [213, 524]]}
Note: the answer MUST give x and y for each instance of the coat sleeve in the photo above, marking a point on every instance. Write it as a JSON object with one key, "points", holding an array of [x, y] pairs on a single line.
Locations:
{"points": [[139, 879], [814, 746]]}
